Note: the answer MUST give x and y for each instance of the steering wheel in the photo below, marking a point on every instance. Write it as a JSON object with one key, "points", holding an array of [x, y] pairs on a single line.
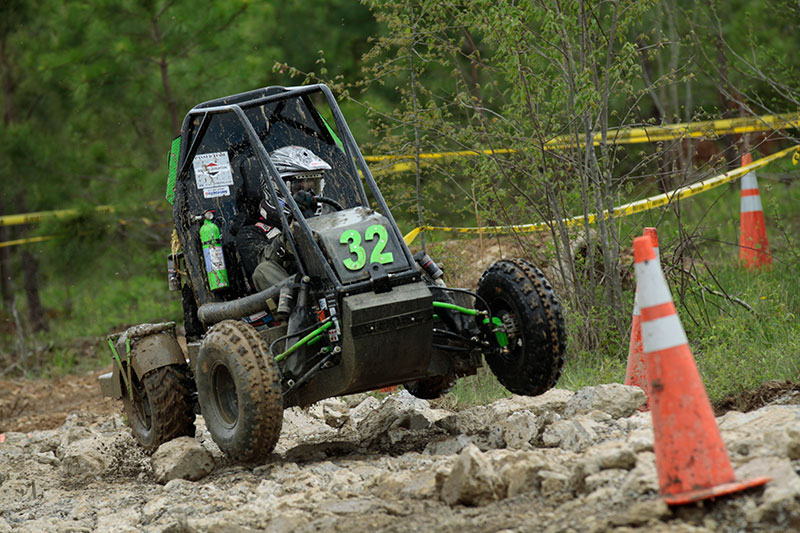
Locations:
{"points": [[329, 201]]}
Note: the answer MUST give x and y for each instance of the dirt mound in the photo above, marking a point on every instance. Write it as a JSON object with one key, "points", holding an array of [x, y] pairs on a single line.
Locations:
{"points": [[769, 393], [27, 405]]}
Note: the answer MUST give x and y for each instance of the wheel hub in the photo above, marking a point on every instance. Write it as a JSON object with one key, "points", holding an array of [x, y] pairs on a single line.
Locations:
{"points": [[511, 324], [224, 394]]}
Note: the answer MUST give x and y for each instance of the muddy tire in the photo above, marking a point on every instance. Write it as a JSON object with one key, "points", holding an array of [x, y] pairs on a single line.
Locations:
{"points": [[431, 388], [520, 295], [161, 408], [239, 390]]}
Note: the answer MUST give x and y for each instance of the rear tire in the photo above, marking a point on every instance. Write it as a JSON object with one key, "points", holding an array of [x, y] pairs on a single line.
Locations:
{"points": [[518, 293], [161, 408], [239, 390]]}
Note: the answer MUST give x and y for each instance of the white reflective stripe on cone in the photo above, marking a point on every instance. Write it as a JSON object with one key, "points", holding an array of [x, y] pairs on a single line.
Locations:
{"points": [[662, 333], [652, 286], [751, 203], [749, 181], [636, 309]]}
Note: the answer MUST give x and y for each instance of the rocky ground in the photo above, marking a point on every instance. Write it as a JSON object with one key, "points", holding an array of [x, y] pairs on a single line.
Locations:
{"points": [[562, 461]]}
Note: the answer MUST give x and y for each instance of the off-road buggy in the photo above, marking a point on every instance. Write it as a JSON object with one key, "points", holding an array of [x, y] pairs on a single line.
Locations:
{"points": [[360, 312]]}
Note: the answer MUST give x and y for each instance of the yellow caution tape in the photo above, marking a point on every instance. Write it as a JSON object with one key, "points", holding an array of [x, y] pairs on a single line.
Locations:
{"points": [[707, 128], [647, 134], [623, 210], [29, 240], [710, 128], [31, 218]]}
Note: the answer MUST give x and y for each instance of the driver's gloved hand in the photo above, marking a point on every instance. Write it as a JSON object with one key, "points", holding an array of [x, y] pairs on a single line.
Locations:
{"points": [[306, 202]]}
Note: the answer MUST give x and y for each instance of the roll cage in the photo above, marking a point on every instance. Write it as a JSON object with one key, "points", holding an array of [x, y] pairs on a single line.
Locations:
{"points": [[245, 128]]}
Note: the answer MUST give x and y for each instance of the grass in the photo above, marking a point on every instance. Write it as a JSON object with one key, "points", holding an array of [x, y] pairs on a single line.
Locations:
{"points": [[735, 349], [118, 290]]}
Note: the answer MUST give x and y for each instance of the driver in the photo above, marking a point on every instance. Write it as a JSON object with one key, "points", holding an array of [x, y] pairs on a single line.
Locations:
{"points": [[260, 248]]}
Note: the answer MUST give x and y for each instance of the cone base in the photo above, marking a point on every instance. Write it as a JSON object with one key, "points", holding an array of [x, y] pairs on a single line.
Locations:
{"points": [[713, 492]]}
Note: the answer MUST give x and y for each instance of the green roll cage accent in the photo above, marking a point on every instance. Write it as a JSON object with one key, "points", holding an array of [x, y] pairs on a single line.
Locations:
{"points": [[454, 307], [172, 175], [308, 339], [333, 133], [125, 378]]}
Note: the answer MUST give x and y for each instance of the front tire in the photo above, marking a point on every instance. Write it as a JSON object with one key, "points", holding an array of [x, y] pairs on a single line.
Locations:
{"points": [[161, 408], [239, 390], [518, 293]]}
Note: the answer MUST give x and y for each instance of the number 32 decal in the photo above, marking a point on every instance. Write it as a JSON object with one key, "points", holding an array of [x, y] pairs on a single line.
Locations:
{"points": [[353, 238]]}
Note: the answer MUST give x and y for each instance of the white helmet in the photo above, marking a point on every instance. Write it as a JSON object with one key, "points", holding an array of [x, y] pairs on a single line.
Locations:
{"points": [[300, 168]]}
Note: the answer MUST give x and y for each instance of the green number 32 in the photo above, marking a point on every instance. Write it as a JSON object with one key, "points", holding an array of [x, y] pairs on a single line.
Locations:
{"points": [[353, 238]]}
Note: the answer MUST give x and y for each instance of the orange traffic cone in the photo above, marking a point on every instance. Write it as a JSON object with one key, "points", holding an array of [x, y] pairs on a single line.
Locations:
{"points": [[753, 244], [691, 458], [635, 371]]}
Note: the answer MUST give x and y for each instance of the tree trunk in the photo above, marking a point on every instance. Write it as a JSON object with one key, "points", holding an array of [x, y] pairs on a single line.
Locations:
{"points": [[6, 288], [30, 267]]}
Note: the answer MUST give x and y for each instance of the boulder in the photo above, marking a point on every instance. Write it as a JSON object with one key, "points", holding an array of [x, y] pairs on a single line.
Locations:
{"points": [[643, 478], [552, 401], [85, 458], [470, 421], [609, 454], [780, 503], [448, 446], [605, 478], [579, 432], [365, 407], [400, 422], [333, 411], [520, 473], [520, 429], [614, 398], [771, 430], [181, 458], [472, 480]]}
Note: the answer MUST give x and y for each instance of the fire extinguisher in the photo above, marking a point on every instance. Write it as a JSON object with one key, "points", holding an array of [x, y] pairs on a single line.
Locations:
{"points": [[212, 253]]}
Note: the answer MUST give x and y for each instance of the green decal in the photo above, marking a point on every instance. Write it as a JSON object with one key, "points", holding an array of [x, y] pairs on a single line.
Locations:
{"points": [[172, 175], [354, 238], [377, 255], [333, 133]]}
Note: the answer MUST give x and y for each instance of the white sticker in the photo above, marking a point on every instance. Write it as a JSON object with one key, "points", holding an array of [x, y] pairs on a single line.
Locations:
{"points": [[216, 192], [215, 259], [212, 170]]}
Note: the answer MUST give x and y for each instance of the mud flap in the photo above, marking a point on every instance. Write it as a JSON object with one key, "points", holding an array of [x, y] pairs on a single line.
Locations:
{"points": [[148, 346]]}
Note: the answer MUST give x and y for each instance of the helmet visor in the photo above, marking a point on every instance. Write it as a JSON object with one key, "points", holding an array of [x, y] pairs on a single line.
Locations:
{"points": [[311, 182]]}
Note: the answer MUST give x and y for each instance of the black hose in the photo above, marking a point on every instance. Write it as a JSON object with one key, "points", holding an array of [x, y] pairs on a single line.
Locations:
{"points": [[213, 312], [451, 335], [446, 348]]}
